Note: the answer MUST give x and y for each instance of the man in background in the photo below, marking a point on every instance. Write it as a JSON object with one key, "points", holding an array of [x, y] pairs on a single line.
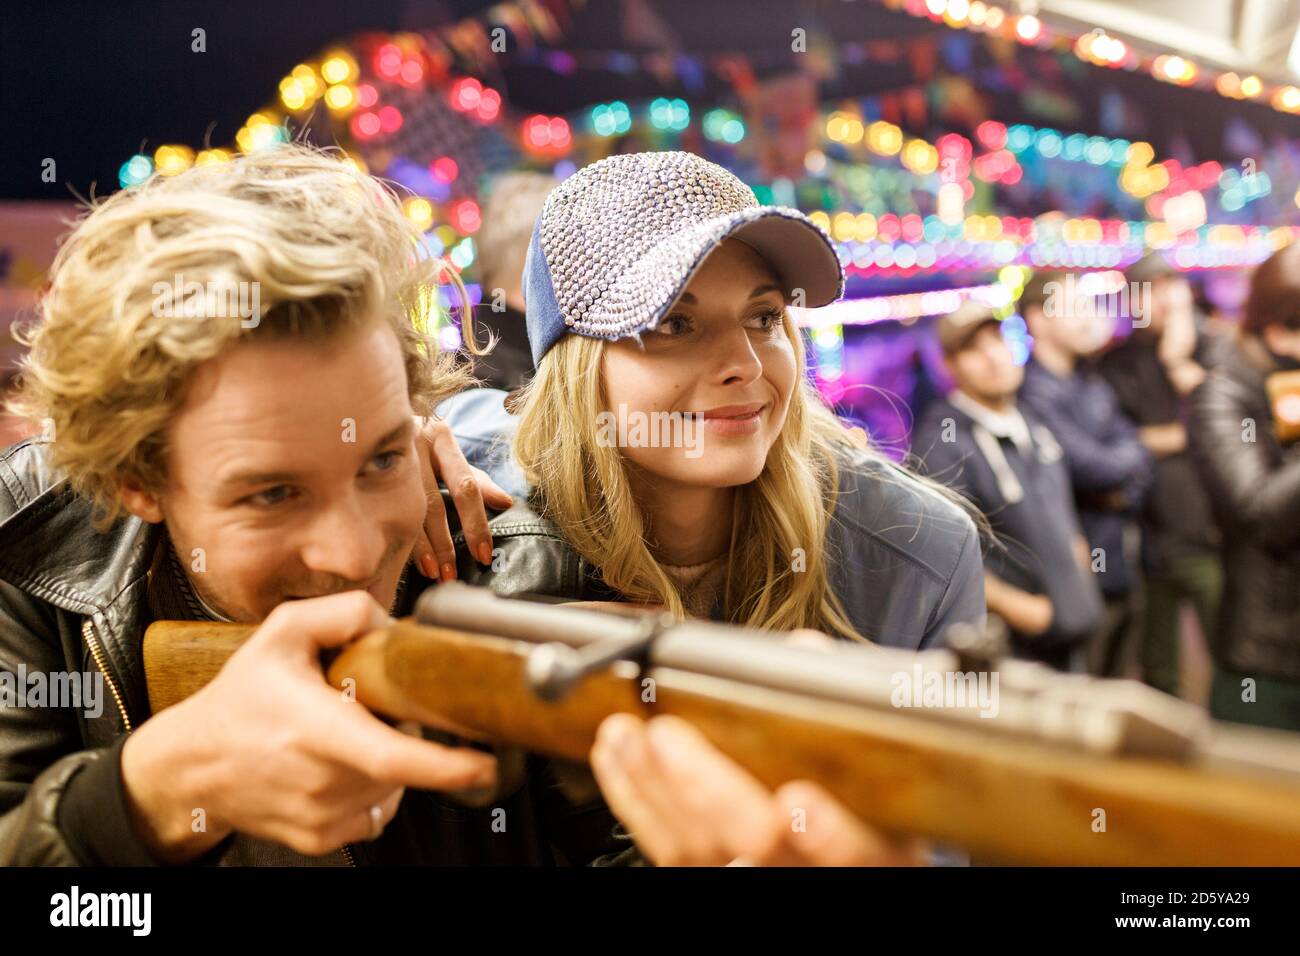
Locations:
{"points": [[512, 208], [981, 443], [1152, 373], [1109, 468]]}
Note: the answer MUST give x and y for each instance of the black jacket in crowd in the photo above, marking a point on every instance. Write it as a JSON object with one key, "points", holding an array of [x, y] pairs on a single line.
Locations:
{"points": [[1254, 485]]}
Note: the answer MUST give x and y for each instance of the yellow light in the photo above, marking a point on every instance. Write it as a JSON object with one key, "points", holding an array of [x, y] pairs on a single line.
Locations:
{"points": [[958, 11], [1287, 98], [936, 6], [244, 139], [820, 218], [420, 211], [340, 97], [1251, 86], [846, 226], [338, 67], [884, 138], [357, 163], [311, 83], [866, 227], [978, 13], [920, 157], [853, 130], [1028, 28], [292, 95], [170, 160], [211, 157], [995, 18], [257, 119], [1229, 84], [1139, 154]]}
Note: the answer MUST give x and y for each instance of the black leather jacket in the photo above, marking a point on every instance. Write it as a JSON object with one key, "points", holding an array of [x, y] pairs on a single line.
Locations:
{"points": [[72, 600], [907, 566], [1254, 485]]}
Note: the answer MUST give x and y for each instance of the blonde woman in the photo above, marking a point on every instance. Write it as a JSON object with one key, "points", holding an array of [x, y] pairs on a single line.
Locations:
{"points": [[675, 450]]}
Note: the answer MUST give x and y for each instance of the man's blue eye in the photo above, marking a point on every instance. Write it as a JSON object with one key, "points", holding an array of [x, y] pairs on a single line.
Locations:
{"points": [[386, 460], [271, 496]]}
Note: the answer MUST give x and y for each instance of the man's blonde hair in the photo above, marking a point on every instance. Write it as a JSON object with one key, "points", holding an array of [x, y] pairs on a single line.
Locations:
{"points": [[325, 246]]}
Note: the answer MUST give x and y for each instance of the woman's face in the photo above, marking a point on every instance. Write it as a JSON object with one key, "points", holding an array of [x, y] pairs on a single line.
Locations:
{"points": [[703, 401]]}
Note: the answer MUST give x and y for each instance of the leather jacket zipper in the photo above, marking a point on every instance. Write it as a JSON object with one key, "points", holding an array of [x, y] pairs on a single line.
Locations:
{"points": [[88, 634]]}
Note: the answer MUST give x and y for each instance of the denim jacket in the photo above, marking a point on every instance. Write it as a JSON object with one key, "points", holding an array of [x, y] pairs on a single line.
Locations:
{"points": [[905, 561]]}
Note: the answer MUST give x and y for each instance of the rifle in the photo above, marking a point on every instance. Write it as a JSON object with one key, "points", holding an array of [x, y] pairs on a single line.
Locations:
{"points": [[1004, 758]]}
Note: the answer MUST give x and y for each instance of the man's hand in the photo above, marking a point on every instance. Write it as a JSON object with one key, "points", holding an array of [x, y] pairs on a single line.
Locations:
{"points": [[1027, 613], [470, 487], [1164, 440], [686, 803], [269, 749]]}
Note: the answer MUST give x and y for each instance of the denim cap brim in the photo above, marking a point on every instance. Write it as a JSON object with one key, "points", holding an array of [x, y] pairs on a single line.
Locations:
{"points": [[792, 245]]}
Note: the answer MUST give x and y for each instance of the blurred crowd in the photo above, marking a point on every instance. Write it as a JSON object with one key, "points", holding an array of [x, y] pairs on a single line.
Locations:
{"points": [[1129, 480]]}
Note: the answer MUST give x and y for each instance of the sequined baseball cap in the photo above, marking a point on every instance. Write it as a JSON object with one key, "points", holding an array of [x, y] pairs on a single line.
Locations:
{"points": [[617, 242]]}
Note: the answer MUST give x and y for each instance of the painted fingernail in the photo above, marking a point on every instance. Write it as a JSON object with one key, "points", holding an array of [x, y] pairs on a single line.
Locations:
{"points": [[485, 553], [448, 572], [428, 567]]}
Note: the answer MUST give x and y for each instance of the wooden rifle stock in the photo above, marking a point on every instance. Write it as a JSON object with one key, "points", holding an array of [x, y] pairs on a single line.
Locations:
{"points": [[1042, 782]]}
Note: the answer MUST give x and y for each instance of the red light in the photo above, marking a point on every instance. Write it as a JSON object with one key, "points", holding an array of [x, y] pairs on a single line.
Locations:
{"points": [[559, 133], [489, 106], [444, 169], [955, 145], [367, 96], [365, 125], [412, 72], [466, 93], [465, 216], [992, 134], [1013, 175], [388, 60], [390, 119]]}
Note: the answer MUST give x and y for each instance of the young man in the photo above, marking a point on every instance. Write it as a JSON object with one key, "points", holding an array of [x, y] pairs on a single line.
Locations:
{"points": [[1153, 372], [229, 367], [981, 443], [1109, 469]]}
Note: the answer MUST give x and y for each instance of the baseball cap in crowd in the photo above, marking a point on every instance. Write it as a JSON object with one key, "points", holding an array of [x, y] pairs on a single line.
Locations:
{"points": [[617, 242], [958, 327]]}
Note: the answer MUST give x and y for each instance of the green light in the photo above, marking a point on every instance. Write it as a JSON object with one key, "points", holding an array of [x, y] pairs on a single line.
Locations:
{"points": [[135, 171]]}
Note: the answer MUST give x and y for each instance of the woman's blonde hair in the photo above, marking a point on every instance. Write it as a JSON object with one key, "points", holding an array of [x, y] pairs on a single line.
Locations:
{"points": [[324, 246], [584, 489]]}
